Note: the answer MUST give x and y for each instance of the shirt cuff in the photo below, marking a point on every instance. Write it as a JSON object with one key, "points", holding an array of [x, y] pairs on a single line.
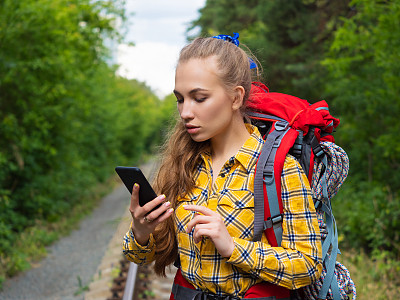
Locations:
{"points": [[241, 255], [135, 246]]}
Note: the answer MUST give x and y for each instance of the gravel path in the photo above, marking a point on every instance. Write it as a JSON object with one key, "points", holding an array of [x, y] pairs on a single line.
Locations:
{"points": [[74, 257]]}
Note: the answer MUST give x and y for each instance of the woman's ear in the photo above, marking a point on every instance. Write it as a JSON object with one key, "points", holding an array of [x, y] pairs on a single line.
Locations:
{"points": [[238, 97]]}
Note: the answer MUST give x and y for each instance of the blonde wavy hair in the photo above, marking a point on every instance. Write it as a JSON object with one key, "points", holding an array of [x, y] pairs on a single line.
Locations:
{"points": [[181, 154]]}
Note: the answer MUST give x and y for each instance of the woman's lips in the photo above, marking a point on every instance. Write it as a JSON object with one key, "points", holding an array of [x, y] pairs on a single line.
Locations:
{"points": [[191, 129]]}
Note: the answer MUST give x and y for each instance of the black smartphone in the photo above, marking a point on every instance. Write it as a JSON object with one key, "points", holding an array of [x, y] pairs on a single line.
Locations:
{"points": [[132, 175]]}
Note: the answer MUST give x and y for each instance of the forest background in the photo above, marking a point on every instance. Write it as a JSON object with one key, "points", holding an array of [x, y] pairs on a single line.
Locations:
{"points": [[66, 119]]}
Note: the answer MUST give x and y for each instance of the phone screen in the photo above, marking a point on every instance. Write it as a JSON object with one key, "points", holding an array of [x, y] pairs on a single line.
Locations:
{"points": [[132, 175]]}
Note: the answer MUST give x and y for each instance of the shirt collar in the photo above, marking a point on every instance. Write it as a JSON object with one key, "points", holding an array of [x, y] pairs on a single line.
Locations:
{"points": [[248, 154]]}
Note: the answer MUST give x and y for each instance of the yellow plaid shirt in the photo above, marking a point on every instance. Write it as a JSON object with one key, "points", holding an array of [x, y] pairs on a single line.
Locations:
{"points": [[295, 264]]}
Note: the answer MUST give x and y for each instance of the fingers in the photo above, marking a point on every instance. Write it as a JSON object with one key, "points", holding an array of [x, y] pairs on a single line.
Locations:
{"points": [[152, 205], [145, 219], [165, 215], [138, 212], [201, 231], [200, 209], [134, 198], [148, 219], [210, 224], [197, 219], [152, 215], [204, 211]]}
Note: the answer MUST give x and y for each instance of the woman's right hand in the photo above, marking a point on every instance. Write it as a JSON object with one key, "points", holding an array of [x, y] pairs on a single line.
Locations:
{"points": [[144, 220]]}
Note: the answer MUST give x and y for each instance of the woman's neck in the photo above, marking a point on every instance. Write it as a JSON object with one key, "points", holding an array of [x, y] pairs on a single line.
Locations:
{"points": [[226, 145]]}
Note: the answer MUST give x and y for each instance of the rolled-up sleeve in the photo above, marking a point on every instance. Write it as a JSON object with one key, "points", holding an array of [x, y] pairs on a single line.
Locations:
{"points": [[298, 262], [137, 253]]}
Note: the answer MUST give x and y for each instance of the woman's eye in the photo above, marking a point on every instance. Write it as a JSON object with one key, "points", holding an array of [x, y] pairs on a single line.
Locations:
{"points": [[179, 100], [200, 99]]}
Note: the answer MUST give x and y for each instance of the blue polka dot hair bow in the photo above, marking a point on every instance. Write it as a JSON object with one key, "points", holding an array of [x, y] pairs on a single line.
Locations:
{"points": [[234, 40], [228, 38]]}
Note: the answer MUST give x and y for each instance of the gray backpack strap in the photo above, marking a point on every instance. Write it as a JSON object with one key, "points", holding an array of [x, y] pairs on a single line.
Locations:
{"points": [[330, 242], [265, 175], [322, 203]]}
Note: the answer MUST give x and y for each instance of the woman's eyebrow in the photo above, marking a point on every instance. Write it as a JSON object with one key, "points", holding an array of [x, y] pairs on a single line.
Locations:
{"points": [[194, 91], [197, 90], [177, 93]]}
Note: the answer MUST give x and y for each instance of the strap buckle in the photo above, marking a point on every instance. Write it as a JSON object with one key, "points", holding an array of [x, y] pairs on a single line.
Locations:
{"points": [[317, 204], [272, 221], [277, 219], [298, 145], [316, 147], [210, 296]]}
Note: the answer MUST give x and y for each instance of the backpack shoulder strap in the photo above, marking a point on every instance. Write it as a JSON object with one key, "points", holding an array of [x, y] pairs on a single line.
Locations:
{"points": [[263, 208], [268, 208]]}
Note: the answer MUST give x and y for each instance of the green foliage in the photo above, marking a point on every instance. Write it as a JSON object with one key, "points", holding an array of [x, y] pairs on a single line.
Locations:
{"points": [[66, 119], [288, 37], [364, 71], [81, 288], [168, 116], [364, 65], [226, 16], [375, 276], [368, 215]]}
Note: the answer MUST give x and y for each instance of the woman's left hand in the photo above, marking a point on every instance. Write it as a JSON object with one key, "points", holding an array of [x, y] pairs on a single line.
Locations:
{"points": [[210, 224]]}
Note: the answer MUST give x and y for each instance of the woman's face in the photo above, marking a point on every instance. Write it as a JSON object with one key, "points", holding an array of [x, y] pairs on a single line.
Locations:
{"points": [[205, 107]]}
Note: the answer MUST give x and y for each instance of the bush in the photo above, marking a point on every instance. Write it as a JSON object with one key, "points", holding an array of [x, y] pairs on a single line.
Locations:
{"points": [[66, 119], [368, 217]]}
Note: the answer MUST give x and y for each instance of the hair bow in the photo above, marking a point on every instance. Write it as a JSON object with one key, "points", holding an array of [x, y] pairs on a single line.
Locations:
{"points": [[234, 40]]}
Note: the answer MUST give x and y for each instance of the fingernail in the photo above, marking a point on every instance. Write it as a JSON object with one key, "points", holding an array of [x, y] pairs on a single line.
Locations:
{"points": [[135, 186], [167, 203], [184, 206], [162, 196], [170, 210]]}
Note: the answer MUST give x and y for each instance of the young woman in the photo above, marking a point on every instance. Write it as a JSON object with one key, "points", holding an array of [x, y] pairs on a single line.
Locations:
{"points": [[206, 184]]}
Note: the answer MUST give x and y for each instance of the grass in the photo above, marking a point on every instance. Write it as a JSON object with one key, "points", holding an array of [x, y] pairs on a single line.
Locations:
{"points": [[376, 276], [82, 288], [30, 245]]}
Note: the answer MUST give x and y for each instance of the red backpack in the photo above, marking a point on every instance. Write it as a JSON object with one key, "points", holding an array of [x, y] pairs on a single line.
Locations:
{"points": [[292, 125]]}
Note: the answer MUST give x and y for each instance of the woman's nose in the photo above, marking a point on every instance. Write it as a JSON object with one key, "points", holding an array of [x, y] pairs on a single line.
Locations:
{"points": [[186, 110]]}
